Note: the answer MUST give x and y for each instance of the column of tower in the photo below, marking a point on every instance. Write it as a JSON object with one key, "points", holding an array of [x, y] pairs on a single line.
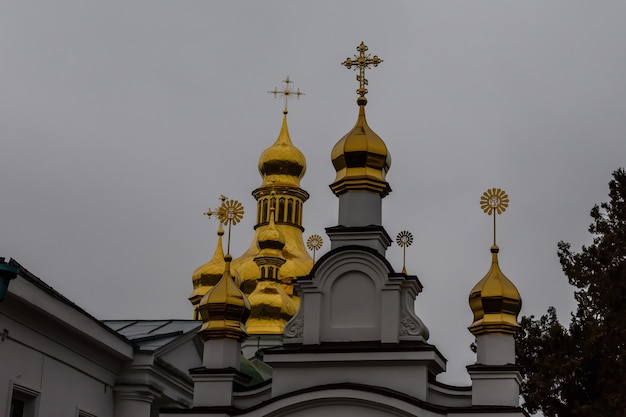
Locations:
{"points": [[361, 160], [495, 302], [280, 204]]}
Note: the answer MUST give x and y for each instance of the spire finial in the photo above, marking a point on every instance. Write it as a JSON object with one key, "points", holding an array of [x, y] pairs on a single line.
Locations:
{"points": [[404, 239], [214, 212], [362, 62], [287, 92], [494, 201], [229, 213], [314, 243]]}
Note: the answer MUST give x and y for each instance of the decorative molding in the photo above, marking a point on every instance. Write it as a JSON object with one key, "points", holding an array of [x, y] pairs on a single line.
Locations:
{"points": [[410, 325], [295, 327]]}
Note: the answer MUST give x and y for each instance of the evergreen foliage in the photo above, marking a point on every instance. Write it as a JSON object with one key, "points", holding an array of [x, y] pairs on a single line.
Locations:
{"points": [[581, 370]]}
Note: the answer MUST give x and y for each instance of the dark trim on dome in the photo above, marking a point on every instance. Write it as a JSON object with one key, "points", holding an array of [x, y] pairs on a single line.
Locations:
{"points": [[282, 167], [359, 159], [349, 183]]}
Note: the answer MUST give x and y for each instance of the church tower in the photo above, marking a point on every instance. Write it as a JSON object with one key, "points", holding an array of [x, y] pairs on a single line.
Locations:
{"points": [[361, 160], [277, 254], [495, 302]]}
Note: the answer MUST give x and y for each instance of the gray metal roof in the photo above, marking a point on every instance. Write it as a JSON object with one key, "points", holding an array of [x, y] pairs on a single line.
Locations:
{"points": [[151, 335]]}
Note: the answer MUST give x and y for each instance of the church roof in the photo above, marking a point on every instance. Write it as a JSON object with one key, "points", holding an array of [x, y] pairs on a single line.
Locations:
{"points": [[150, 335]]}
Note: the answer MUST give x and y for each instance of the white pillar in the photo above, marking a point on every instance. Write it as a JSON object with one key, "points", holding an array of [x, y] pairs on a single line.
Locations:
{"points": [[360, 208], [214, 382], [133, 401], [495, 377]]}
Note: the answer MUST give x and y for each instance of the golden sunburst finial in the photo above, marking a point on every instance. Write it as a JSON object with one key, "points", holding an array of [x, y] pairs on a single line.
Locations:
{"points": [[287, 92], [229, 213], [404, 239], [362, 62], [494, 201], [314, 243]]}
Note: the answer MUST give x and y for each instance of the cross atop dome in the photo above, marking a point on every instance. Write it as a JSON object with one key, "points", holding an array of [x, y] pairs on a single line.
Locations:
{"points": [[287, 92], [362, 62]]}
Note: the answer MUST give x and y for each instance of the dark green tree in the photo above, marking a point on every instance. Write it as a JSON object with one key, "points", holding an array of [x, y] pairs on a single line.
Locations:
{"points": [[581, 370]]}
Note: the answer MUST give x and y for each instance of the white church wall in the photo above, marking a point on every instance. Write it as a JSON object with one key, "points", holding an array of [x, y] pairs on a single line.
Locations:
{"points": [[58, 375], [59, 360]]}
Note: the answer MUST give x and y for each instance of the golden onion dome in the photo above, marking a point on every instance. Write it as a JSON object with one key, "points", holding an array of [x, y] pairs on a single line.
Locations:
{"points": [[282, 163], [224, 309], [361, 160], [273, 308], [495, 302], [206, 276], [298, 261]]}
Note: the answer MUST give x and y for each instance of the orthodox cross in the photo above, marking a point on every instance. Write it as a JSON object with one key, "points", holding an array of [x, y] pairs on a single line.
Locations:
{"points": [[362, 62], [287, 92]]}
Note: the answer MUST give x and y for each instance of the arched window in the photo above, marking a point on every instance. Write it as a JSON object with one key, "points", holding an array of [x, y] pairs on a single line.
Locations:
{"points": [[290, 218], [281, 210], [297, 220], [264, 211]]}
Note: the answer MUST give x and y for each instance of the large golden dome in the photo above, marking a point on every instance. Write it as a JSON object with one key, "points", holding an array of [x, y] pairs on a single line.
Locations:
{"points": [[361, 160], [495, 302], [282, 163]]}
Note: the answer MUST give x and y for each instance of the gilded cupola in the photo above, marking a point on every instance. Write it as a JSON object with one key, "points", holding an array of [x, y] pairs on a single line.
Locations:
{"points": [[361, 158], [206, 276], [224, 309], [277, 242], [282, 164], [271, 241], [494, 300], [273, 307]]}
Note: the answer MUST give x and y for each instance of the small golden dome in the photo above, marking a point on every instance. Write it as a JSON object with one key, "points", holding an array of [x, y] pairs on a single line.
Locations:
{"points": [[495, 301], [282, 163], [271, 238], [273, 308], [206, 276], [361, 160], [224, 309]]}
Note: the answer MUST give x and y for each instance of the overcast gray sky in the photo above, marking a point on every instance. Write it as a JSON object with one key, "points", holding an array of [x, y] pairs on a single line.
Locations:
{"points": [[121, 122]]}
